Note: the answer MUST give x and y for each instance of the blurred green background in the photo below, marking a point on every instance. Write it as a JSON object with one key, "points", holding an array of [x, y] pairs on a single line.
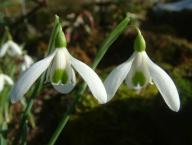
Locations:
{"points": [[129, 119]]}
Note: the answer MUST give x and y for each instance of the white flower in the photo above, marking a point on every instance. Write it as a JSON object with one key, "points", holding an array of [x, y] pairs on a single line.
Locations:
{"points": [[3, 80], [60, 73], [138, 71], [10, 47], [27, 62]]}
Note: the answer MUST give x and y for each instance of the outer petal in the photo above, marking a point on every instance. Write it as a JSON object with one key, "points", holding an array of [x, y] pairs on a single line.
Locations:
{"points": [[15, 49], [8, 80], [116, 77], [93, 81], [68, 87], [28, 61], [29, 77], [139, 65], [165, 85], [1, 82], [4, 48]]}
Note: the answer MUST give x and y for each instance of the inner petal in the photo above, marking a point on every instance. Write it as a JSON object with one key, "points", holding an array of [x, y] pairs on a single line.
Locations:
{"points": [[57, 71], [138, 78], [69, 84], [139, 73]]}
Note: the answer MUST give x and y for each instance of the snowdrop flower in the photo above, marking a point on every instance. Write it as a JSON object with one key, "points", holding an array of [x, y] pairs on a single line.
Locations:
{"points": [[27, 62], [138, 71], [10, 47], [60, 67], [3, 80]]}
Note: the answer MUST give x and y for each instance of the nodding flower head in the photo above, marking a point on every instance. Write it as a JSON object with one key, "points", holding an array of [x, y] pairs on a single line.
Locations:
{"points": [[12, 48], [59, 67], [138, 71]]}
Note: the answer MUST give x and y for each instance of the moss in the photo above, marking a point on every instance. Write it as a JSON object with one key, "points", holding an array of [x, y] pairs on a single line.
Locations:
{"points": [[129, 118], [165, 47], [183, 80], [88, 102]]}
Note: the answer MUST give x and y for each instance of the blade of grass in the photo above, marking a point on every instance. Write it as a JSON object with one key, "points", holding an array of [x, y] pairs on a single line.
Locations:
{"points": [[37, 87], [103, 49]]}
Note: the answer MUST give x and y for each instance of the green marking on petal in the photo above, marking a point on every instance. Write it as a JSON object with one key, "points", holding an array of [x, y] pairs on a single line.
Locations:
{"points": [[138, 78], [64, 77], [59, 76]]}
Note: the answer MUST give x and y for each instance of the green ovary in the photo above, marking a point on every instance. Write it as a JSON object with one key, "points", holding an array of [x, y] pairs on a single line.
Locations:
{"points": [[138, 78], [60, 76], [139, 43]]}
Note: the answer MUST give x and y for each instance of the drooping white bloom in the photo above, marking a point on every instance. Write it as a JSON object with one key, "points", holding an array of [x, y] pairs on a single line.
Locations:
{"points": [[27, 62], [138, 71], [60, 67], [3, 80], [10, 47]]}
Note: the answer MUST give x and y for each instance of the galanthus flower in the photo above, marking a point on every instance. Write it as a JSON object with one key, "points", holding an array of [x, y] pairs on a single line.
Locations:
{"points": [[5, 79], [10, 47], [138, 71], [27, 62], [59, 67]]}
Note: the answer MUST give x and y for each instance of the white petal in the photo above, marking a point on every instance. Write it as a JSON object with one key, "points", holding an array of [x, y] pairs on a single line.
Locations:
{"points": [[23, 67], [8, 80], [139, 65], [165, 85], [59, 61], [1, 82], [15, 49], [4, 48], [93, 81], [116, 77], [28, 61], [29, 77], [71, 82]]}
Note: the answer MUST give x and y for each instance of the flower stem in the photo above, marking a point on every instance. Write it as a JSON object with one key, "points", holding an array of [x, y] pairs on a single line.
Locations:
{"points": [[23, 122], [103, 49]]}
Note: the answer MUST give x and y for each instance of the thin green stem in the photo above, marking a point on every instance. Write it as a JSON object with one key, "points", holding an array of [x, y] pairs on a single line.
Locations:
{"points": [[103, 49], [66, 116], [36, 90]]}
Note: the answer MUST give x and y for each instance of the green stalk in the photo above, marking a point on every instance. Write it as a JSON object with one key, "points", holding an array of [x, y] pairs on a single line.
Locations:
{"points": [[3, 134], [4, 110], [103, 49], [37, 87]]}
